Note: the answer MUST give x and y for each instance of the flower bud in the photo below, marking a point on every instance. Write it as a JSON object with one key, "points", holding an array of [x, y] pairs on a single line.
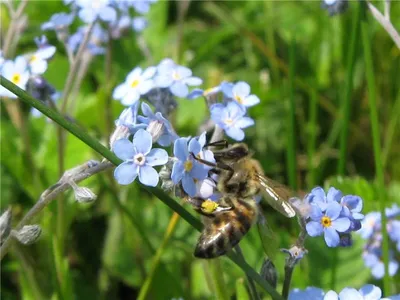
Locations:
{"points": [[5, 225], [269, 273], [28, 234], [120, 132], [84, 195], [296, 253], [156, 129]]}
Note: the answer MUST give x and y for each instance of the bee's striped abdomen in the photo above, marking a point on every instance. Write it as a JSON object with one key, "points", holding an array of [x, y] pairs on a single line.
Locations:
{"points": [[226, 230]]}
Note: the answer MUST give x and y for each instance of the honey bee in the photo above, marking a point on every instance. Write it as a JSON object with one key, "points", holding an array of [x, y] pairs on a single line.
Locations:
{"points": [[240, 179]]}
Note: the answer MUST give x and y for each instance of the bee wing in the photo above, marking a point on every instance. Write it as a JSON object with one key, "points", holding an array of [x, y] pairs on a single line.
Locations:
{"points": [[277, 195], [267, 236]]}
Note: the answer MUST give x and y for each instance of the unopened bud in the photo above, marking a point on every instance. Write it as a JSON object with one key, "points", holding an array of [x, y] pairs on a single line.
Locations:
{"points": [[84, 195], [28, 234], [156, 129], [120, 132], [5, 225], [296, 253], [269, 273]]}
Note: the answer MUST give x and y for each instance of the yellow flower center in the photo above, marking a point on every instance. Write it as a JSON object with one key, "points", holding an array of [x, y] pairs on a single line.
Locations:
{"points": [[135, 83], [16, 78], [326, 221], [188, 166], [175, 75], [239, 99], [33, 58], [228, 121]]}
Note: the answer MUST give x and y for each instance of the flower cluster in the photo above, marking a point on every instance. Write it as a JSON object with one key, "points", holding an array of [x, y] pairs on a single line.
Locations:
{"points": [[368, 291], [26, 71], [332, 214], [113, 16], [371, 231]]}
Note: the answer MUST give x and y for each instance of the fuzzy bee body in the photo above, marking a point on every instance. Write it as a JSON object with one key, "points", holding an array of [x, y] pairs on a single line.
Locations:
{"points": [[225, 229], [240, 178]]}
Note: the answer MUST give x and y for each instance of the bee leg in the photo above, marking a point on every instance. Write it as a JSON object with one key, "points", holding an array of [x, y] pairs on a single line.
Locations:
{"points": [[218, 165], [221, 143]]}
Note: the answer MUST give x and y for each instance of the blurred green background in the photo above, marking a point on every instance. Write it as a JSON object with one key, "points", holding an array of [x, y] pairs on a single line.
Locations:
{"points": [[295, 58]]}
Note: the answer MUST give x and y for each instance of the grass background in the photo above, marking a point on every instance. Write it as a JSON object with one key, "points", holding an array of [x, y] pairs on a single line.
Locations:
{"points": [[296, 59]]}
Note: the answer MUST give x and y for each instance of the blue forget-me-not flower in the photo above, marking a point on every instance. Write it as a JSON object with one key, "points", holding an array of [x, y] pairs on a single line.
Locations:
{"points": [[373, 259], [38, 60], [186, 168], [160, 128], [231, 118], [240, 92], [17, 72], [139, 159], [329, 223], [90, 10], [175, 77], [58, 21], [137, 83]]}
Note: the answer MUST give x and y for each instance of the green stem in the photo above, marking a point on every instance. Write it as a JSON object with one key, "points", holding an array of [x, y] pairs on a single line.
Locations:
{"points": [[218, 279], [157, 257], [373, 108], [391, 131], [106, 153], [252, 288], [346, 101], [291, 149], [312, 127]]}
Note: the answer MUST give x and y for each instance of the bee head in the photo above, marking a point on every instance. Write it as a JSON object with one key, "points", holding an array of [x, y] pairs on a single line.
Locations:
{"points": [[234, 152]]}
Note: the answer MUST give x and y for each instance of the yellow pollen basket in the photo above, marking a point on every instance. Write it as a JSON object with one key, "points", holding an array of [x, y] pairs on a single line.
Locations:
{"points": [[208, 206], [326, 221], [16, 78], [135, 83], [188, 165]]}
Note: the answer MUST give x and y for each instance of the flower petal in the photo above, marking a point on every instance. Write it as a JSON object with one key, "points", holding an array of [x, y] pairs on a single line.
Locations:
{"points": [[194, 146], [177, 171], [251, 100], [108, 14], [241, 89], [146, 86], [157, 157], [120, 91], [226, 88], [235, 133], [341, 224], [142, 141], [131, 97], [179, 89], [133, 75], [333, 210], [188, 185], [149, 72], [316, 213], [353, 203], [314, 228], [244, 122], [148, 175], [126, 173], [124, 149], [350, 294], [331, 295], [192, 81], [331, 237], [333, 195], [371, 292], [181, 149]]}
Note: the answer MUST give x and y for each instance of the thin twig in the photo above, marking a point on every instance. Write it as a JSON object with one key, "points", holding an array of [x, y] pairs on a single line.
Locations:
{"points": [[50, 194], [10, 36], [75, 66], [386, 24]]}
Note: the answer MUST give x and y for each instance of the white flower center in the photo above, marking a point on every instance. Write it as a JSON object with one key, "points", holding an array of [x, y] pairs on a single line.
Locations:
{"points": [[139, 159], [33, 58], [239, 99]]}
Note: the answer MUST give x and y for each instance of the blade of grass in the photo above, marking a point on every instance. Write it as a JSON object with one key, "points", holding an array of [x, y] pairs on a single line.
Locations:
{"points": [[291, 149], [345, 110], [391, 131], [373, 108], [143, 293], [106, 153], [312, 139]]}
